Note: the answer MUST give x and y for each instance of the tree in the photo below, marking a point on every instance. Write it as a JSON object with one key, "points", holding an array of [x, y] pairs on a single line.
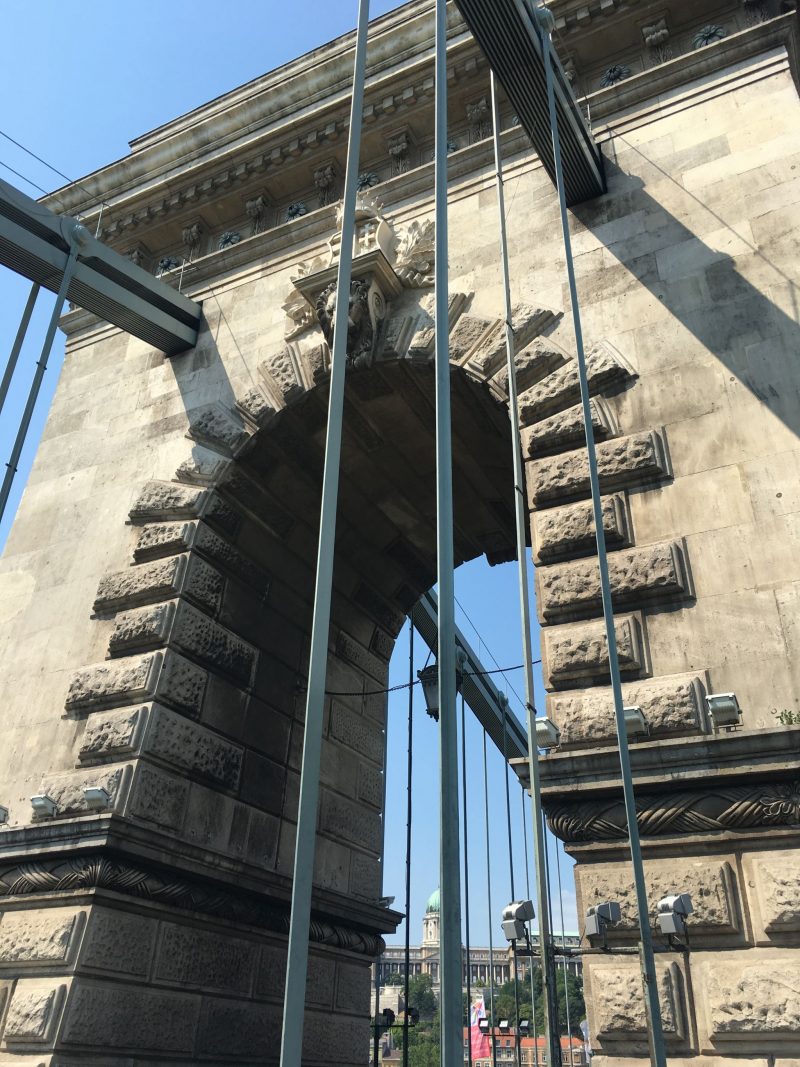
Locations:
{"points": [[421, 995], [394, 979]]}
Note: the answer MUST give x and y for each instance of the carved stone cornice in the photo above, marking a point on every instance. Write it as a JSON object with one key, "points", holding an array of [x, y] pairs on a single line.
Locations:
{"points": [[78, 874], [695, 811]]}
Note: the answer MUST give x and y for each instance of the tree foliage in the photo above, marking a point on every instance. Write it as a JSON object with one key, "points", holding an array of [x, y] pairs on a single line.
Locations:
{"points": [[505, 1001]]}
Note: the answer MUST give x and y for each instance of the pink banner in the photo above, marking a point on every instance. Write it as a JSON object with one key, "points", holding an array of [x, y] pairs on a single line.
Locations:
{"points": [[480, 1042]]}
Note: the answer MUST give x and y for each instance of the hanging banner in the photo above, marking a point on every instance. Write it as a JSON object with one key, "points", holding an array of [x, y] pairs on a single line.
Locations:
{"points": [[480, 1042]]}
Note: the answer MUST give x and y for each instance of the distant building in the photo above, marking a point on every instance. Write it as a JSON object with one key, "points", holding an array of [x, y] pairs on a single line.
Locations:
{"points": [[481, 966], [533, 1051]]}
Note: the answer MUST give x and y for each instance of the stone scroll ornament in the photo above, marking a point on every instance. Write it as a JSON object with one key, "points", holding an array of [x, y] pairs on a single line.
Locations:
{"points": [[100, 872], [686, 812]]}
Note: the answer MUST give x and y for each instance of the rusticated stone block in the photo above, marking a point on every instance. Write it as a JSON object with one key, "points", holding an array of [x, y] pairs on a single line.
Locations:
{"points": [[564, 430], [335, 1039], [356, 654], [579, 651], [491, 352], [213, 644], [533, 363], [282, 377], [636, 574], [142, 584], [202, 467], [347, 821], [753, 1001], [112, 1016], [365, 876], [778, 881], [229, 1028], [175, 740], [163, 539], [467, 334], [638, 458], [569, 531], [33, 1012], [255, 406], [671, 705], [67, 790], [167, 500], [204, 959], [158, 798], [561, 389], [360, 734], [204, 585], [143, 628], [220, 552], [165, 675], [110, 734], [40, 936], [619, 1010], [370, 786], [218, 428], [353, 988], [710, 883], [118, 942]]}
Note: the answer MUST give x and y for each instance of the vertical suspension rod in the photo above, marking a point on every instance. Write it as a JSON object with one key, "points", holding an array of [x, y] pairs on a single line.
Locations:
{"points": [[407, 980], [520, 517], [653, 1009], [528, 892], [489, 902], [297, 959], [466, 873], [504, 707], [19, 340], [450, 879]]}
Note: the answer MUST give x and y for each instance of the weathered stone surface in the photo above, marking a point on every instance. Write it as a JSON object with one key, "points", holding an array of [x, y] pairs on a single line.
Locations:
{"points": [[218, 428], [365, 876], [119, 942], [711, 885], [33, 1012], [181, 684], [639, 458], [110, 734], [569, 531], [353, 988], [492, 350], [779, 893], [204, 585], [158, 798], [370, 786], [564, 430], [102, 1017], [110, 684], [756, 1000], [167, 500], [533, 363], [561, 389], [282, 377], [619, 1003], [255, 406], [67, 790], [672, 705], [356, 654], [636, 575], [181, 743], [142, 584], [219, 551], [201, 958], [229, 1028], [195, 633], [163, 539], [203, 467], [579, 651], [143, 628], [348, 821], [361, 734], [468, 332], [37, 936]]}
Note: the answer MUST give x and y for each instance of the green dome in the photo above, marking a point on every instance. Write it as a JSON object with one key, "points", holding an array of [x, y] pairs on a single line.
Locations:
{"points": [[433, 902]]}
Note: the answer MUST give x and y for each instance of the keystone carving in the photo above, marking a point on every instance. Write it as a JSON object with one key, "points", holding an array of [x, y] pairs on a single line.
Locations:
{"points": [[681, 812], [641, 457], [636, 574]]}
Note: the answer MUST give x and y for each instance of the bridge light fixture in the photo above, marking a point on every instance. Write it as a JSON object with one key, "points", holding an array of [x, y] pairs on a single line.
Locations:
{"points": [[672, 913], [548, 734], [3, 814], [97, 798], [484, 1025], [504, 1026], [599, 916], [43, 805], [723, 710], [635, 722], [524, 1027], [429, 677], [515, 915]]}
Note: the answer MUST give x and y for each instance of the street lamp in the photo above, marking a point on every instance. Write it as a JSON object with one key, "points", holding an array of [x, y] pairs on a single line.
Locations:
{"points": [[429, 677]]}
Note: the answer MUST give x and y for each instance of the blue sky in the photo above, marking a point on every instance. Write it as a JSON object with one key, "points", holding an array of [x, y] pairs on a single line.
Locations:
{"points": [[78, 82]]}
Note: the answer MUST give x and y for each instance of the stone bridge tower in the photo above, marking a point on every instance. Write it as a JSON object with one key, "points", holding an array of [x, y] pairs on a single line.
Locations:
{"points": [[155, 589]]}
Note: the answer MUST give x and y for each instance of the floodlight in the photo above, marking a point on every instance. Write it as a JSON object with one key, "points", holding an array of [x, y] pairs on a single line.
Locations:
{"points": [[548, 734], [504, 1026], [388, 1017], [599, 916], [724, 710], [97, 798], [524, 1027], [672, 913], [3, 814], [44, 805], [521, 910], [635, 722], [483, 1025], [413, 1016]]}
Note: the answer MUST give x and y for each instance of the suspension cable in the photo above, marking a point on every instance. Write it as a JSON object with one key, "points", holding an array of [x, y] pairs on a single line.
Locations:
{"points": [[489, 900], [466, 872], [528, 895], [504, 706], [564, 945], [408, 833]]}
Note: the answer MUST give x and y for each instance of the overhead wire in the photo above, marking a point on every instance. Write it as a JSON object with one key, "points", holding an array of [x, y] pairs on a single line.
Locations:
{"points": [[55, 170], [416, 681], [22, 176], [491, 654]]}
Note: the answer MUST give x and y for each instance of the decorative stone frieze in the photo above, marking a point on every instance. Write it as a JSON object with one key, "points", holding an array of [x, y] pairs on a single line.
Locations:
{"points": [[565, 429], [569, 531], [711, 885], [653, 572], [605, 367], [620, 1010], [639, 458], [578, 652], [671, 705], [753, 1001]]}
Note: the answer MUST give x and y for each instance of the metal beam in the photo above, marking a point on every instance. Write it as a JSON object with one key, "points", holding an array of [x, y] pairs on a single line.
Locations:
{"points": [[513, 46], [480, 692], [35, 242]]}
